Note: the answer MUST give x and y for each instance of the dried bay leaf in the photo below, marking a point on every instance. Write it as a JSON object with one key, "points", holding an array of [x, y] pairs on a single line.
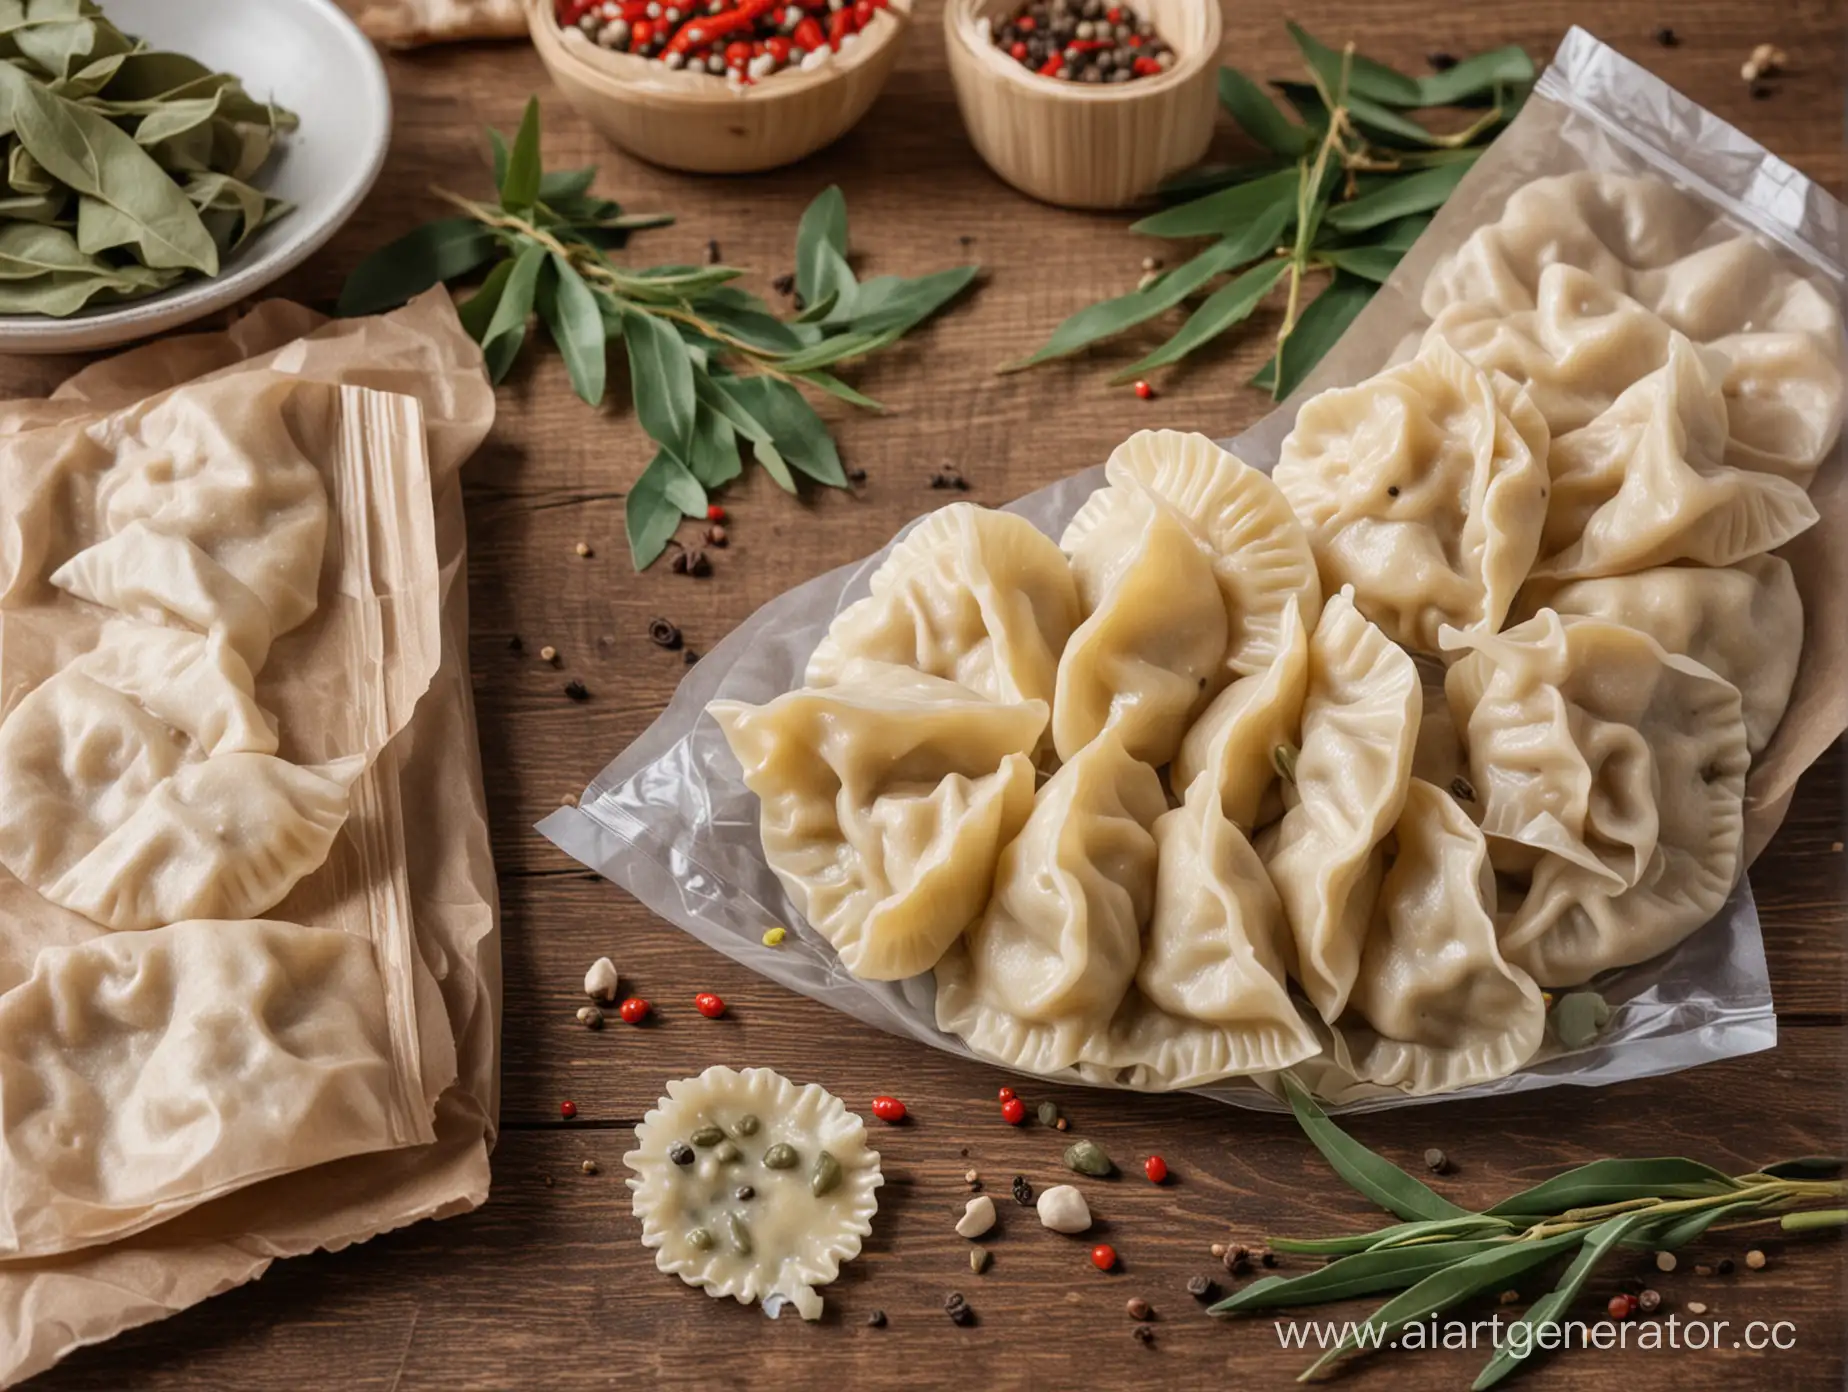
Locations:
{"points": [[101, 162], [25, 174]]}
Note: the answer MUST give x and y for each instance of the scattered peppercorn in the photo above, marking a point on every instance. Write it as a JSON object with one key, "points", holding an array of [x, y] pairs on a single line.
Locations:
{"points": [[689, 658], [962, 1315], [1155, 1168], [712, 251], [1667, 37], [1023, 1192], [1703, 1270], [1104, 1257], [1725, 1266], [709, 1005], [576, 690], [548, 654], [634, 1010], [1237, 1260], [567, 1110], [590, 1017], [1620, 1307], [1218, 1249], [680, 1153], [1436, 1161], [1144, 390], [1755, 1260], [1202, 1287], [1696, 1308], [1665, 1261], [516, 644], [744, 1193], [1151, 263], [1060, 1123], [954, 1301], [1006, 1094], [663, 634], [1013, 1111], [950, 478], [1143, 1334], [1649, 1301], [1760, 91], [979, 1257], [1441, 61], [717, 536], [856, 476], [589, 1167], [1137, 1308], [1048, 1113], [715, 513], [888, 1108], [876, 1319], [583, 548], [1268, 1257], [1508, 1297], [784, 284], [1462, 789]]}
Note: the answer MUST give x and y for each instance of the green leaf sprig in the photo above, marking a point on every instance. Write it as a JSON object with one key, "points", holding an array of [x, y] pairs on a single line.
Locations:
{"points": [[126, 168], [1345, 190], [1440, 1254], [711, 367]]}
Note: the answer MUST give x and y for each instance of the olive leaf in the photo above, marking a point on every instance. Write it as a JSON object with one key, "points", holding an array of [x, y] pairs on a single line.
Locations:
{"points": [[519, 181], [1230, 304], [797, 432], [1363, 1273], [821, 248], [1508, 66], [1549, 1309], [506, 330], [1680, 1231], [1373, 1175], [1415, 193], [661, 378], [1616, 1181], [714, 457], [423, 257], [653, 507], [1225, 211], [1258, 116]]}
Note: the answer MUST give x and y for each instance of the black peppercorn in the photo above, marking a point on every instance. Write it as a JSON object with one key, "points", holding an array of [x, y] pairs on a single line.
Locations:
{"points": [[876, 1319], [1201, 1287], [745, 1193], [689, 657], [1441, 61], [784, 284], [577, 691], [712, 251], [663, 634], [856, 476], [680, 1153], [515, 644], [1667, 37], [1023, 1192]]}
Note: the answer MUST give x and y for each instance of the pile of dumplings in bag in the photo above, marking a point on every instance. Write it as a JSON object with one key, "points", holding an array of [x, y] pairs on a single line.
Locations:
{"points": [[1349, 762]]}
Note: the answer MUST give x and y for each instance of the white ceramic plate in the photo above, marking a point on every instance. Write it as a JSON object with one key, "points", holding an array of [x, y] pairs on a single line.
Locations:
{"points": [[302, 54]]}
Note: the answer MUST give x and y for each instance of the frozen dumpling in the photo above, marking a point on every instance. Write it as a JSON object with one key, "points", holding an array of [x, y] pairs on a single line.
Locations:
{"points": [[1423, 488], [886, 800]]}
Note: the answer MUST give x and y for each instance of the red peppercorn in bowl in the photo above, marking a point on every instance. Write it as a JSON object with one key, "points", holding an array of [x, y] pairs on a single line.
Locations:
{"points": [[1086, 144], [750, 85]]}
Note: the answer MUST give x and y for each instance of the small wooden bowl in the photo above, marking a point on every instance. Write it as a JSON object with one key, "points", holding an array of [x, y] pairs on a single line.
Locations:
{"points": [[700, 123], [1078, 145]]}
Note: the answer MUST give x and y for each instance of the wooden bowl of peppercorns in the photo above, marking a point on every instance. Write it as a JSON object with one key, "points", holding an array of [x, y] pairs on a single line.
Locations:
{"points": [[1065, 101], [719, 86]]}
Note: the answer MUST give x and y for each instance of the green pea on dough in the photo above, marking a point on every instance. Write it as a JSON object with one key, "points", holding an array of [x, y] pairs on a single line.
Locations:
{"points": [[707, 1136], [781, 1157], [826, 1176]]}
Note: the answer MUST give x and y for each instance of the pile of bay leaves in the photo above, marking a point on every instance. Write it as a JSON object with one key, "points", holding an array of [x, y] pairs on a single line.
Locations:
{"points": [[127, 169]]}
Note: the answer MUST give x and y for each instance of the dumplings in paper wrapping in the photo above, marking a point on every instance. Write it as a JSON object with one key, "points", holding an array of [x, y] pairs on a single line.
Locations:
{"points": [[886, 800], [1645, 483], [980, 598], [1149, 654], [1235, 741], [799, 1151], [1619, 770], [1779, 334], [1423, 487], [1745, 622], [1360, 726], [1035, 983], [1435, 1006], [1260, 556]]}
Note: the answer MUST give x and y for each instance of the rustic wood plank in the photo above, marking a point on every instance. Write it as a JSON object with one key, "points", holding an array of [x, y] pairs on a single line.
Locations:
{"points": [[547, 1286]]}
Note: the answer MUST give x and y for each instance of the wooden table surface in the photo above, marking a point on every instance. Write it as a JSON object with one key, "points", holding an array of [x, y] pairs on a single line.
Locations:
{"points": [[548, 1286]]}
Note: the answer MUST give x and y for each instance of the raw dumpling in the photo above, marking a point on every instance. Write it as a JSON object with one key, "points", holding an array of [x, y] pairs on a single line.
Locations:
{"points": [[1235, 741], [1360, 726], [1149, 655], [1778, 330], [1260, 556], [1036, 982], [1210, 1000], [886, 800], [143, 788], [1621, 769], [182, 468], [1435, 1007], [1575, 351], [161, 579], [980, 598], [226, 838], [1423, 488], [1645, 483], [1745, 622]]}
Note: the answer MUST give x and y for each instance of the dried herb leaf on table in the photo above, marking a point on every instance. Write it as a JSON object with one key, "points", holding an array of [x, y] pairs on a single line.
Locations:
{"points": [[1348, 185], [1441, 1254], [712, 369], [127, 168]]}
